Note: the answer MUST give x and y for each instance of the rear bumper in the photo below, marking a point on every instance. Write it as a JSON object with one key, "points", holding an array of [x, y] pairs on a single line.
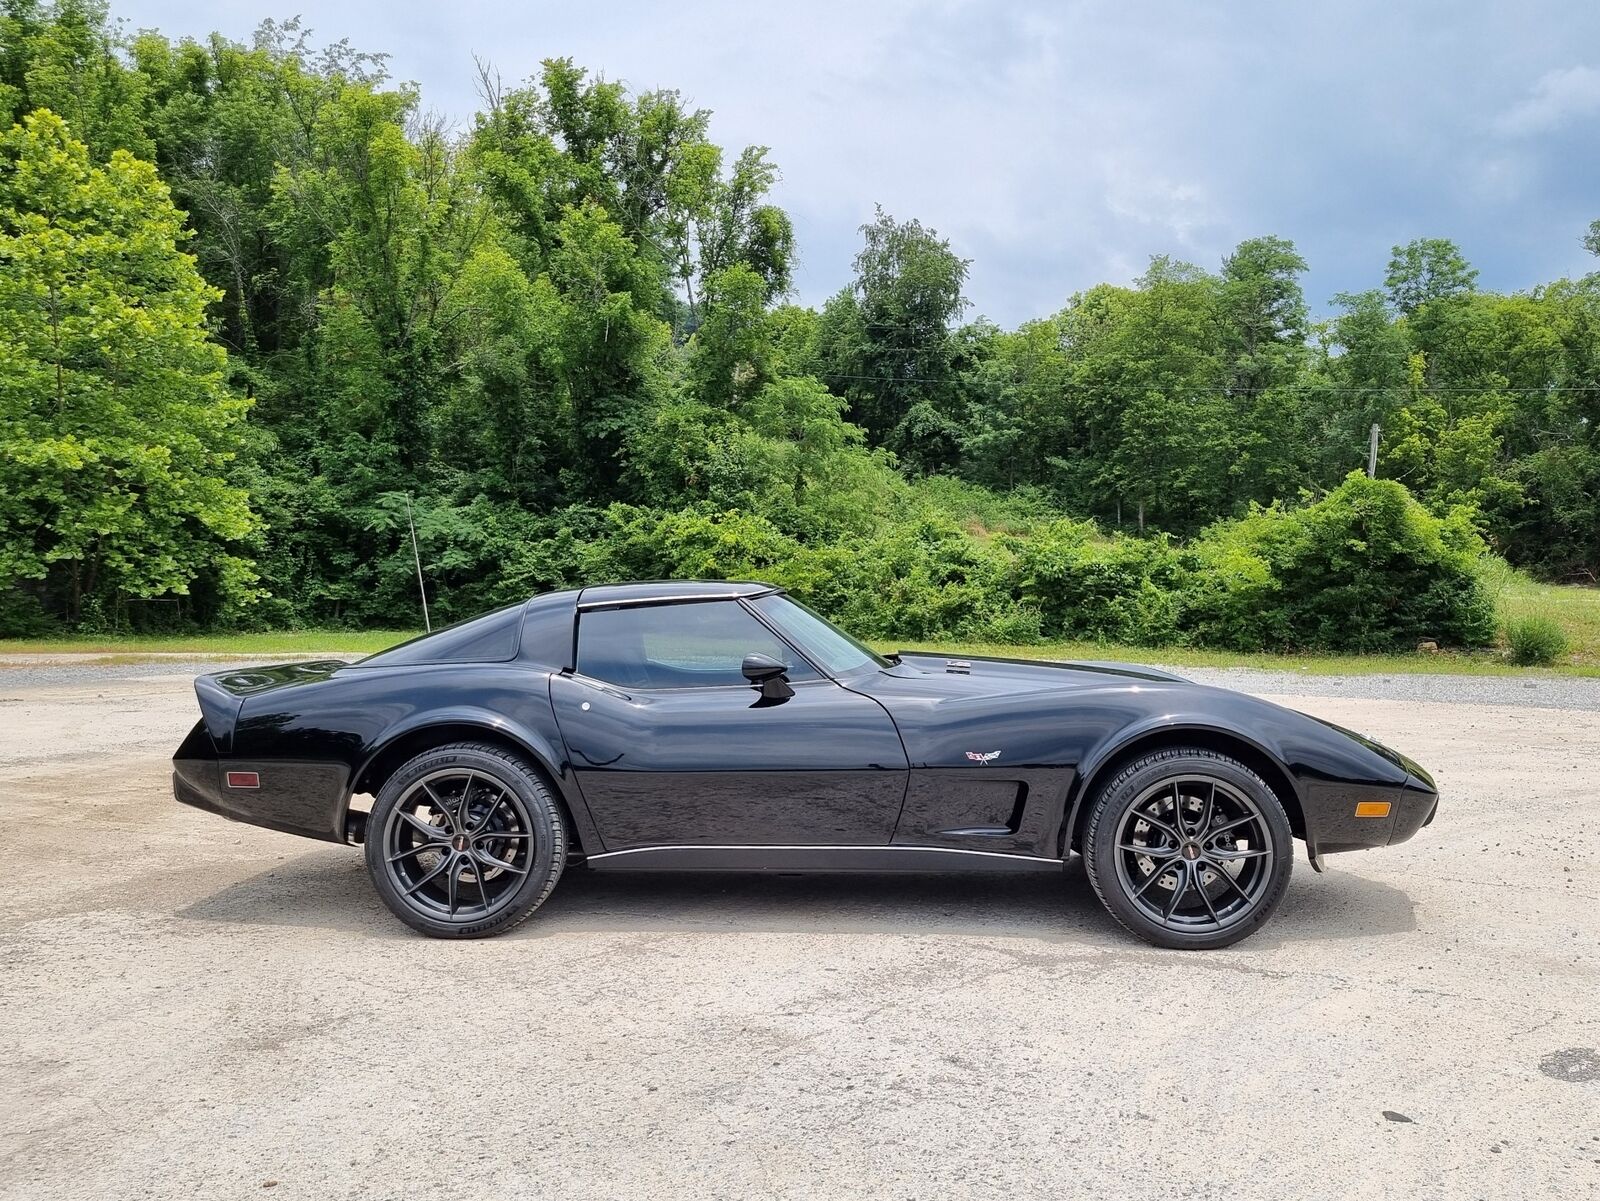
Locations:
{"points": [[295, 797]]}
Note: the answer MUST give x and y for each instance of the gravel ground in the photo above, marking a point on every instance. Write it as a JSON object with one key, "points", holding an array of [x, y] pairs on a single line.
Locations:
{"points": [[194, 1008], [1545, 692]]}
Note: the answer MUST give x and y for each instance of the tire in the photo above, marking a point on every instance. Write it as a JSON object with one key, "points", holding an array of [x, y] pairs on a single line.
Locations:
{"points": [[1167, 879], [465, 841]]}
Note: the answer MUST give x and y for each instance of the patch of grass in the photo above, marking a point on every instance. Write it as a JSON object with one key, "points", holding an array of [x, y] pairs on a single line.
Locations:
{"points": [[1536, 639], [276, 642], [1575, 608], [1461, 663]]}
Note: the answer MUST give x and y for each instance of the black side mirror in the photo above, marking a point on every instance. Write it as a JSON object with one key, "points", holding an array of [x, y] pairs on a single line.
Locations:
{"points": [[767, 673]]}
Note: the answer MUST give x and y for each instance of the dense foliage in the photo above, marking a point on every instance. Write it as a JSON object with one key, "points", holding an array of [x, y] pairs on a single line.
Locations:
{"points": [[565, 336], [116, 426]]}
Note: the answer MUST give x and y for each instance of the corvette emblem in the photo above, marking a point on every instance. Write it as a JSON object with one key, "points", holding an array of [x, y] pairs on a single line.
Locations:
{"points": [[983, 756]]}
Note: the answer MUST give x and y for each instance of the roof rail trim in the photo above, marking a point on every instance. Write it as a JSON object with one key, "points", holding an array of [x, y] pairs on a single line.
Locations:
{"points": [[688, 598]]}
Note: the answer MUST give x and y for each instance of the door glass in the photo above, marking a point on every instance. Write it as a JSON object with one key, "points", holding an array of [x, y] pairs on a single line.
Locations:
{"points": [[678, 646], [823, 641]]}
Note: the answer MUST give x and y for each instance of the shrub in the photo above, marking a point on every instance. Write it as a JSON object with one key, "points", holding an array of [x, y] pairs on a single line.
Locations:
{"points": [[1366, 568], [647, 544], [923, 580], [1232, 598], [1535, 640], [1089, 586], [1012, 625], [22, 615]]}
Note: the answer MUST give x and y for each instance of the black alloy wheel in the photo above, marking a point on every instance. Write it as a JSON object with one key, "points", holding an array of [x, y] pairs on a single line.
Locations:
{"points": [[1189, 848], [465, 841]]}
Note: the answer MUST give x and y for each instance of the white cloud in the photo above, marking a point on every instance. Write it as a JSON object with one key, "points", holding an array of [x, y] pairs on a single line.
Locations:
{"points": [[1177, 210], [1556, 98]]}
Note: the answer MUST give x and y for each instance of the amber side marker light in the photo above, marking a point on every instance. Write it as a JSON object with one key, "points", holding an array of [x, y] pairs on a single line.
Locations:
{"points": [[1372, 808]]}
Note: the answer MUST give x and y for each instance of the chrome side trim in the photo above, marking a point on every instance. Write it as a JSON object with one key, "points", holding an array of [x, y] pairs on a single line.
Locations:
{"points": [[815, 858]]}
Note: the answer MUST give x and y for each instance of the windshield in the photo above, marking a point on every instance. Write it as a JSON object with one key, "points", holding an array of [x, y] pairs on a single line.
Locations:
{"points": [[828, 647]]}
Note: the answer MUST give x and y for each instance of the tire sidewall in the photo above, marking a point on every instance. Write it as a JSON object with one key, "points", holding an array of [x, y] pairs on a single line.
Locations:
{"points": [[549, 854], [1133, 781]]}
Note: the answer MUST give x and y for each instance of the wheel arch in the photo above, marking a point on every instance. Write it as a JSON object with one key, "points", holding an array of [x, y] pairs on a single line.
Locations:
{"points": [[401, 746], [1106, 762]]}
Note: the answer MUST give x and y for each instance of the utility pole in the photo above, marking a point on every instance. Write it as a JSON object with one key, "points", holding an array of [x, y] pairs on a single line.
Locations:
{"points": [[417, 559], [1372, 454]]}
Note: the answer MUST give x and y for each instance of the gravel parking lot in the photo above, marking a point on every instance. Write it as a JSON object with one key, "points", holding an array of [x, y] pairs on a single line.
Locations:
{"points": [[193, 1008]]}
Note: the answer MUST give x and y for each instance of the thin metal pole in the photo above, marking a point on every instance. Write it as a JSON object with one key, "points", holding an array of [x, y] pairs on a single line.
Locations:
{"points": [[417, 559], [1372, 454]]}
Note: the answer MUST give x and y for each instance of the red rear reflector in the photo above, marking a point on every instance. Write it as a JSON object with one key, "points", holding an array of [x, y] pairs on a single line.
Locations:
{"points": [[244, 779]]}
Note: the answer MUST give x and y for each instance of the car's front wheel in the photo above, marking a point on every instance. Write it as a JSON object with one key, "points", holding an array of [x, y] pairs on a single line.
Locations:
{"points": [[465, 841], [1188, 848]]}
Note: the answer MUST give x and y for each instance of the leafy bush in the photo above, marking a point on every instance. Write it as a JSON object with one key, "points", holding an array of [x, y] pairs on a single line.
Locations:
{"points": [[923, 580], [646, 544], [1088, 586], [1366, 568], [1535, 640], [23, 616]]}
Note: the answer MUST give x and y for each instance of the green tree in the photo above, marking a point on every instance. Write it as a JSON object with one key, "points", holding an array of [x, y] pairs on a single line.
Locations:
{"points": [[886, 342], [116, 427], [1263, 313], [390, 222], [1161, 438], [1360, 377], [720, 224], [1427, 269], [64, 56], [732, 353]]}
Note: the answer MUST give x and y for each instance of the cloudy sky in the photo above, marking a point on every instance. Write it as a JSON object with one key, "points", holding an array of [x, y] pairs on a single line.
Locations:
{"points": [[1060, 144]]}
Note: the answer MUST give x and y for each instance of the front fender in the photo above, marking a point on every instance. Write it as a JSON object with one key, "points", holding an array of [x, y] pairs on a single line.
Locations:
{"points": [[1119, 742], [1326, 771]]}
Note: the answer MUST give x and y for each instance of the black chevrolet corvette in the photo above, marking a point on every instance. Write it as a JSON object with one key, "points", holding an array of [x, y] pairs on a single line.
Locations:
{"points": [[717, 726]]}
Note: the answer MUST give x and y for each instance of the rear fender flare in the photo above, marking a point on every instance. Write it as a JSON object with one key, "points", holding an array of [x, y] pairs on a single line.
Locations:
{"points": [[549, 760]]}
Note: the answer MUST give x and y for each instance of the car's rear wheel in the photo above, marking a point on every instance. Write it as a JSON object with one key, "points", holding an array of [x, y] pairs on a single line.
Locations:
{"points": [[465, 841], [1188, 848]]}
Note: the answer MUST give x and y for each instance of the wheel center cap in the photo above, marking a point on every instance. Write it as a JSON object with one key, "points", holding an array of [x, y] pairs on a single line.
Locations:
{"points": [[1191, 851], [459, 842]]}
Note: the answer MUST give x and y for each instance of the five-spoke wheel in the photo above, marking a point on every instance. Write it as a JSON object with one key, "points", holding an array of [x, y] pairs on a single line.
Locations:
{"points": [[464, 841], [1188, 848]]}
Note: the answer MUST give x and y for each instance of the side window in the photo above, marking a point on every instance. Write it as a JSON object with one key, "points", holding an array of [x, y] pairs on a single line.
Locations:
{"points": [[677, 646]]}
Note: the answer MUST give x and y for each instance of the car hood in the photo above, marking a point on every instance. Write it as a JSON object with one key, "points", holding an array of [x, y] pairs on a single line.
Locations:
{"points": [[1403, 762], [968, 675]]}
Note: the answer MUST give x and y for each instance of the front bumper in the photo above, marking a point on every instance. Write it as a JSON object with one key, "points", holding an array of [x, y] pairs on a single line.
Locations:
{"points": [[1333, 813], [1415, 806]]}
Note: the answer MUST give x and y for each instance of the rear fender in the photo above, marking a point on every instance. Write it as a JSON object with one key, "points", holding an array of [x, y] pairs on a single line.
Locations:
{"points": [[545, 752]]}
